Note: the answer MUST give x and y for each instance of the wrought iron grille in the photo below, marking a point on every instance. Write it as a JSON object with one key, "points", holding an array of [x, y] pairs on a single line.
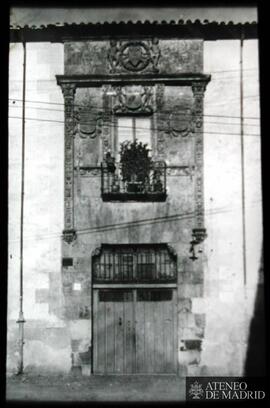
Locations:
{"points": [[150, 188], [134, 263]]}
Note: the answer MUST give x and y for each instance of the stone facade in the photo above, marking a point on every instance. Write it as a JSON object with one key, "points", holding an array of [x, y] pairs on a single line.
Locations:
{"points": [[176, 88], [58, 289]]}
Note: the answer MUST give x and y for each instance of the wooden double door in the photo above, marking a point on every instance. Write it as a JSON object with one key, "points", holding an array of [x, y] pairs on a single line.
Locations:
{"points": [[134, 331]]}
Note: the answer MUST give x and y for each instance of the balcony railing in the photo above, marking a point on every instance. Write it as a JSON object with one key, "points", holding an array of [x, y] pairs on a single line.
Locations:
{"points": [[152, 188]]}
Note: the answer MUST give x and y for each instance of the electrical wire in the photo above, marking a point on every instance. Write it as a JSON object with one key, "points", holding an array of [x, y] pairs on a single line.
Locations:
{"points": [[99, 109], [160, 111], [93, 121], [139, 223], [141, 128]]}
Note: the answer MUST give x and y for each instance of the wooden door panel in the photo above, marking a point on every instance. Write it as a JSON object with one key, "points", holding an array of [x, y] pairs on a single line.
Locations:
{"points": [[155, 332], [140, 337], [95, 331], [101, 337], [168, 337], [110, 337], [119, 337], [135, 336], [113, 331], [129, 345], [159, 338]]}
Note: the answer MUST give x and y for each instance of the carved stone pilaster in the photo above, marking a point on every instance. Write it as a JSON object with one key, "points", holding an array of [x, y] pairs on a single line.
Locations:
{"points": [[160, 136], [198, 90], [107, 119], [69, 93]]}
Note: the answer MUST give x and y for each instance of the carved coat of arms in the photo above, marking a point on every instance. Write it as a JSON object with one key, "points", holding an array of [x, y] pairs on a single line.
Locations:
{"points": [[133, 99], [88, 123], [180, 121], [134, 56]]}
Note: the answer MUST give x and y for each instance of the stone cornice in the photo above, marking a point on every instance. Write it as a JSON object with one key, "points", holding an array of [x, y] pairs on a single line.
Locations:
{"points": [[125, 79]]}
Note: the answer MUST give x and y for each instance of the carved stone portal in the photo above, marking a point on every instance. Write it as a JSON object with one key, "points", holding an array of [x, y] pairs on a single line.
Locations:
{"points": [[134, 56]]}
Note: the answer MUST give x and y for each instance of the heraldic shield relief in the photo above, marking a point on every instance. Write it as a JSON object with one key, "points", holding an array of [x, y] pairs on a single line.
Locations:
{"points": [[180, 121], [133, 99], [134, 56]]}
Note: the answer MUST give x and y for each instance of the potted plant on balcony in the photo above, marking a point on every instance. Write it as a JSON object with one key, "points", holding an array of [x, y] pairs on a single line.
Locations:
{"points": [[135, 165]]}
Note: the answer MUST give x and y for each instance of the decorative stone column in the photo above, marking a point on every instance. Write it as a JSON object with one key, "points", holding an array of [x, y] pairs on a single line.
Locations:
{"points": [[69, 233], [199, 231]]}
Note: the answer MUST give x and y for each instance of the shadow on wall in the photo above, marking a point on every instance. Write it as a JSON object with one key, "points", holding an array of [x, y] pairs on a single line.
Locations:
{"points": [[255, 364]]}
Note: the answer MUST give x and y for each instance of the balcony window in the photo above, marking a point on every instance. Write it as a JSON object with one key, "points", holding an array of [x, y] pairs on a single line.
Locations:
{"points": [[133, 174], [131, 129]]}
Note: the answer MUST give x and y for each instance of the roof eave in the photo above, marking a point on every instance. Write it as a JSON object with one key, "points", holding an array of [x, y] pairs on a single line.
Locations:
{"points": [[75, 32]]}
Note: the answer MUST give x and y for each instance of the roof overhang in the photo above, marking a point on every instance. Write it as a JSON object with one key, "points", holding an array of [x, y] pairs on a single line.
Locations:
{"points": [[61, 24]]}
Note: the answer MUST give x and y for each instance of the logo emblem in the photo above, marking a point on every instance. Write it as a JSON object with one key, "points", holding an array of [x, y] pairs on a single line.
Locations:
{"points": [[196, 390]]}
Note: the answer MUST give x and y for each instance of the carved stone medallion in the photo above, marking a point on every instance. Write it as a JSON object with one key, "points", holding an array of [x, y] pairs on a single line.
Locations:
{"points": [[134, 56]]}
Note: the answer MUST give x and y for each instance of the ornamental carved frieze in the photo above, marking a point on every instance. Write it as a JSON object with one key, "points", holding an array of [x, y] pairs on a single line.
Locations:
{"points": [[136, 99], [134, 56]]}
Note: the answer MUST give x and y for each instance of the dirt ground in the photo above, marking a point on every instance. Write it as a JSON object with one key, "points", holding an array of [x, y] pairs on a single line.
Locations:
{"points": [[41, 387]]}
